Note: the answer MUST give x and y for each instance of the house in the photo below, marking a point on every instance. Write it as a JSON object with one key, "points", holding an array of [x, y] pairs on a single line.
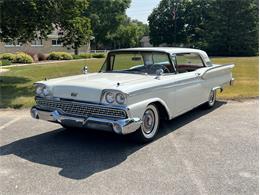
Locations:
{"points": [[145, 42], [40, 45]]}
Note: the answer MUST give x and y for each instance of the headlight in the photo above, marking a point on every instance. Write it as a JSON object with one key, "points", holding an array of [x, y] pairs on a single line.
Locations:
{"points": [[42, 90], [120, 98], [110, 97], [46, 91], [114, 97], [38, 90]]}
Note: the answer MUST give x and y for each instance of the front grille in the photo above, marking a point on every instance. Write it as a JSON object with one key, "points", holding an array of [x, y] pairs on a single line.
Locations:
{"points": [[80, 109]]}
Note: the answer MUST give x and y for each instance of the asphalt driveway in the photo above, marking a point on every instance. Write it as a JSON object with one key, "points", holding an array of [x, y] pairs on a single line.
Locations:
{"points": [[201, 152]]}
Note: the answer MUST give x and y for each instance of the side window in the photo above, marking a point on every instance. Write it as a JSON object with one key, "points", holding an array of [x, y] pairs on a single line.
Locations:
{"points": [[163, 59], [188, 62]]}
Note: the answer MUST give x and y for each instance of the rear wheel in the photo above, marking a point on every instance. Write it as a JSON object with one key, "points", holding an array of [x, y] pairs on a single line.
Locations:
{"points": [[212, 99], [149, 128]]}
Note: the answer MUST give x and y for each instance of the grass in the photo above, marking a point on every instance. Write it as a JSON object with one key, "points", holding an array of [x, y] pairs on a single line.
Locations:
{"points": [[17, 91], [246, 76]]}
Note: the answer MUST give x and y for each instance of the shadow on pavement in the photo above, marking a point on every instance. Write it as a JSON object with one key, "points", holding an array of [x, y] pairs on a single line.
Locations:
{"points": [[82, 153]]}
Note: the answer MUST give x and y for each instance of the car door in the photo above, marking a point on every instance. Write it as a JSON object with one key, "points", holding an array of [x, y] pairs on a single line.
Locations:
{"points": [[188, 92]]}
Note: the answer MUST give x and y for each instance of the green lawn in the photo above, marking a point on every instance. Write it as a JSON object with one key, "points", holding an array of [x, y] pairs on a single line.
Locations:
{"points": [[16, 86], [246, 77]]}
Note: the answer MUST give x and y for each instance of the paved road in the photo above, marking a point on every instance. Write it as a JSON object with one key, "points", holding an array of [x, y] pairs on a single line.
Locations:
{"points": [[201, 152]]}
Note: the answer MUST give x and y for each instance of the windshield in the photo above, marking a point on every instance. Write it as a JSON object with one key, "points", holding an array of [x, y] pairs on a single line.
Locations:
{"points": [[138, 62]]}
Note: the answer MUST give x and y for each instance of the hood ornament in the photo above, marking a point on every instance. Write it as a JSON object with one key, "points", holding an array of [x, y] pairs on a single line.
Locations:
{"points": [[73, 94]]}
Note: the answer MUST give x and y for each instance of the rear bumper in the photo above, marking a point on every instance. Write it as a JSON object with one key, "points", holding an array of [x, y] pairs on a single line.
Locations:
{"points": [[121, 126], [231, 82]]}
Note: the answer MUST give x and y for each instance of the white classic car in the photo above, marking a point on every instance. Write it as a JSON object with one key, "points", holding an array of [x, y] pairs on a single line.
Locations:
{"points": [[134, 89]]}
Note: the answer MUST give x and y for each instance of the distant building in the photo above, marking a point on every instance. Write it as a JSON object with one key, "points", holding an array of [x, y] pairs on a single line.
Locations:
{"points": [[145, 42], [40, 45]]}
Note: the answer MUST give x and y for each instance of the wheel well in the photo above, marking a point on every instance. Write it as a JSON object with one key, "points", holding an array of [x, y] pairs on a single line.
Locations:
{"points": [[162, 110]]}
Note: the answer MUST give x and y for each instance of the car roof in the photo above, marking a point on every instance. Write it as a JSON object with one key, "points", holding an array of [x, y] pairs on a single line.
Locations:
{"points": [[170, 50], [160, 49]]}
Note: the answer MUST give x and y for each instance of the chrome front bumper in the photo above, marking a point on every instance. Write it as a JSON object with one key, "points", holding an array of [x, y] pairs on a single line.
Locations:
{"points": [[119, 126]]}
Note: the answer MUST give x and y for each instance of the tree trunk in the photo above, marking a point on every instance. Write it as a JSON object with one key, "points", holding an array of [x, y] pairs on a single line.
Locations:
{"points": [[76, 51]]}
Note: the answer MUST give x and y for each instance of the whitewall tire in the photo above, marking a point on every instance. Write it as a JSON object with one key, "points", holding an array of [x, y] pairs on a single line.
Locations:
{"points": [[150, 125]]}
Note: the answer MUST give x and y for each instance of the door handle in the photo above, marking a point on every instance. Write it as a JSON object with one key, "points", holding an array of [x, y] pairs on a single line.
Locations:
{"points": [[197, 74]]}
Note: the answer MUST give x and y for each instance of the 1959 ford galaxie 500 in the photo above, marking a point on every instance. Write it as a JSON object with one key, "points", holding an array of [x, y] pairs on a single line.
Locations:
{"points": [[134, 89]]}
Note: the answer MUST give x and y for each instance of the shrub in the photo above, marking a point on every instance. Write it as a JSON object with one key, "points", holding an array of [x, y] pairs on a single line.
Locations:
{"points": [[23, 58], [5, 62], [8, 56], [82, 56], [42, 56], [33, 55], [60, 56], [76, 57], [98, 55], [85, 55]]}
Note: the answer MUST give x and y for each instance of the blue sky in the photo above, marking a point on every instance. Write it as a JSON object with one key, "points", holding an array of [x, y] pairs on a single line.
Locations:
{"points": [[141, 9]]}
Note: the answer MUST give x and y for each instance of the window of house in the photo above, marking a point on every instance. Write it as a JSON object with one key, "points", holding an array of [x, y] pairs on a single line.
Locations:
{"points": [[12, 44], [36, 42], [187, 62], [56, 42]]}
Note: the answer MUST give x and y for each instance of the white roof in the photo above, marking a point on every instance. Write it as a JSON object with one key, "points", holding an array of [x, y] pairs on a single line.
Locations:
{"points": [[170, 50]]}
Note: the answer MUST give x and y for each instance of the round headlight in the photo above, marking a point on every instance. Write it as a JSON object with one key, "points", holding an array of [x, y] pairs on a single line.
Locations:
{"points": [[38, 90], [120, 98], [46, 91], [110, 97]]}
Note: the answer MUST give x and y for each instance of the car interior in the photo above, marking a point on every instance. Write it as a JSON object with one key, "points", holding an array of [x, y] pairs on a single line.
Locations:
{"points": [[188, 62]]}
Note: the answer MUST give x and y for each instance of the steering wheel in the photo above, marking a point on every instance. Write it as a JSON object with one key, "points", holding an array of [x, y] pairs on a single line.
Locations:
{"points": [[155, 67]]}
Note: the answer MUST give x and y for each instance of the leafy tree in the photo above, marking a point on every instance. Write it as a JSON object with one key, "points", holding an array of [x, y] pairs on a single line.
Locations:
{"points": [[129, 34], [25, 20], [167, 22], [223, 27], [106, 16], [233, 28], [76, 27], [28, 19]]}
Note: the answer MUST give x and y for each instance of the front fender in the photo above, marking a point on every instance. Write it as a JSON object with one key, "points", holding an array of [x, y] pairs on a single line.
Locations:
{"points": [[138, 109]]}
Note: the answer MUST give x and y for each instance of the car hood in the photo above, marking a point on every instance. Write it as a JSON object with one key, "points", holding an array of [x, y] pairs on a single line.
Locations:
{"points": [[89, 87]]}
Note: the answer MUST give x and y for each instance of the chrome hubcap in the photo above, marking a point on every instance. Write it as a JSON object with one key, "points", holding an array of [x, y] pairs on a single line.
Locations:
{"points": [[211, 97], [148, 121]]}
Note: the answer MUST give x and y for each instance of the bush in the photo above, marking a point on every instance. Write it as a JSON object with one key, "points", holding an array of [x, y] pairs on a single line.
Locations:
{"points": [[82, 56], [23, 58], [8, 56], [98, 55], [85, 55], [60, 56], [76, 57], [42, 56], [5, 62], [33, 55]]}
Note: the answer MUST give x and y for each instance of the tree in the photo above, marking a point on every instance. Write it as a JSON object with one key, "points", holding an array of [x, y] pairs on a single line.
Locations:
{"points": [[76, 27], [222, 27], [233, 28], [106, 16], [129, 34], [29, 19], [25, 20], [167, 23]]}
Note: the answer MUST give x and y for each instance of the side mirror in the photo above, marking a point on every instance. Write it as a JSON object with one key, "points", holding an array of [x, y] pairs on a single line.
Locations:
{"points": [[85, 70], [159, 72]]}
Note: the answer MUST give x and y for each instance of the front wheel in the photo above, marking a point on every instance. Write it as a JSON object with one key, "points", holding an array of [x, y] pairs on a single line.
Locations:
{"points": [[150, 125]]}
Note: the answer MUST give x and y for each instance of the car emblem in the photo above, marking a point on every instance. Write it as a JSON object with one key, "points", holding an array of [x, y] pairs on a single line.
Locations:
{"points": [[73, 94]]}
